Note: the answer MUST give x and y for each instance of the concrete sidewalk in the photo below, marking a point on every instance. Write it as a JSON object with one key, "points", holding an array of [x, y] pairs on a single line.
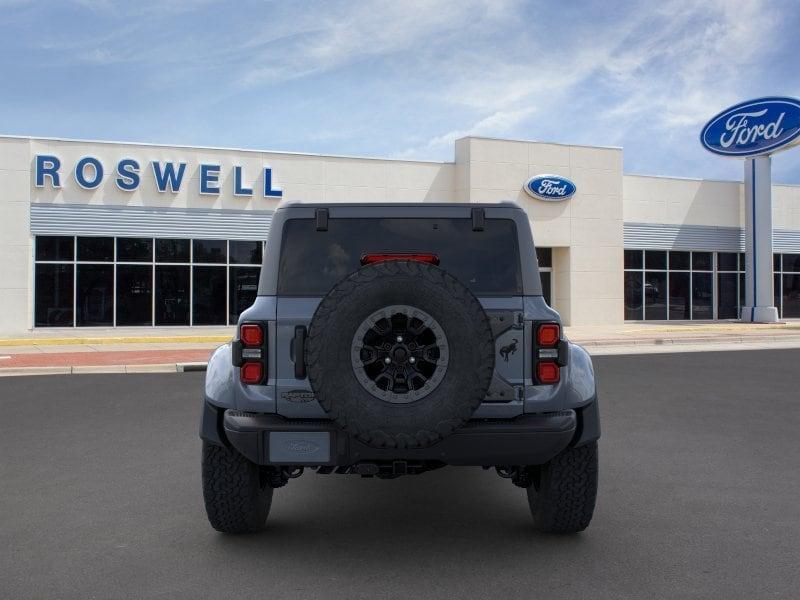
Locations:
{"points": [[122, 350], [158, 349], [651, 338]]}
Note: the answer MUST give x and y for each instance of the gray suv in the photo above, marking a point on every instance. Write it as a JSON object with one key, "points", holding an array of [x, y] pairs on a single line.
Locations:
{"points": [[394, 339]]}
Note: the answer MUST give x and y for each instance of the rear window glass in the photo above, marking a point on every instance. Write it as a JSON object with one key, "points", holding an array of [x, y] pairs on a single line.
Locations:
{"points": [[485, 261]]}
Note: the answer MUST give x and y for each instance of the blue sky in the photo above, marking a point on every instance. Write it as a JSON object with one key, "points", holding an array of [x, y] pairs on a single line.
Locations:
{"points": [[399, 79]]}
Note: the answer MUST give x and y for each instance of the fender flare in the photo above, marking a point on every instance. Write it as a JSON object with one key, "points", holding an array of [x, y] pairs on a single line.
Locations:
{"points": [[220, 387], [582, 396]]}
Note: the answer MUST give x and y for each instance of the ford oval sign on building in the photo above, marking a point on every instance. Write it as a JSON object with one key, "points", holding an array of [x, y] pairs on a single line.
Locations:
{"points": [[550, 187], [753, 128]]}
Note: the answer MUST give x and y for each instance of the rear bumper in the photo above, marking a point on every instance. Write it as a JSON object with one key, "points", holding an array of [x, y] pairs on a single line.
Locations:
{"points": [[269, 439]]}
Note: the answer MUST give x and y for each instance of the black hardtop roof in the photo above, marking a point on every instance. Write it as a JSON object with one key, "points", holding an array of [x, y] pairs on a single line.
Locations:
{"points": [[415, 205], [286, 211]]}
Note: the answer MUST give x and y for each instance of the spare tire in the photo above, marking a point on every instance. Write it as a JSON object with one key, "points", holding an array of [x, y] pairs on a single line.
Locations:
{"points": [[400, 354]]}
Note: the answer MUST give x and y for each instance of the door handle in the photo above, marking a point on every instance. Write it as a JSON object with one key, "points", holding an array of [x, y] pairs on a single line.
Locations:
{"points": [[300, 352]]}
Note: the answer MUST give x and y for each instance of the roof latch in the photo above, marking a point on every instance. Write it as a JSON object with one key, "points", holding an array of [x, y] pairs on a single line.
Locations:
{"points": [[478, 219], [321, 216]]}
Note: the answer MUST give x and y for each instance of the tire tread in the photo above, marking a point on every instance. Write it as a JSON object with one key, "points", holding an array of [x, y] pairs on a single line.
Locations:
{"points": [[565, 500], [235, 500]]}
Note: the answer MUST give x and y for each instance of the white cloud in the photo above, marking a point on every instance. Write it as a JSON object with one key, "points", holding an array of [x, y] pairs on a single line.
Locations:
{"points": [[499, 123], [334, 35], [664, 70], [695, 62]]}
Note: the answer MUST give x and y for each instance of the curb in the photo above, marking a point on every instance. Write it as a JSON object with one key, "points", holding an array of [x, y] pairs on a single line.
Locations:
{"points": [[97, 369], [633, 349], [733, 339], [89, 341]]}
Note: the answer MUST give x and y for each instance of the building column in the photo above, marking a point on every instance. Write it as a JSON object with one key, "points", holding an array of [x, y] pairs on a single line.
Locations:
{"points": [[758, 279]]}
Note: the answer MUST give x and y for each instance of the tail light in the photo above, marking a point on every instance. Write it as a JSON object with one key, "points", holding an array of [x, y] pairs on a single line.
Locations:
{"points": [[548, 372], [252, 372], [548, 334], [250, 353], [251, 334], [371, 259], [549, 353]]}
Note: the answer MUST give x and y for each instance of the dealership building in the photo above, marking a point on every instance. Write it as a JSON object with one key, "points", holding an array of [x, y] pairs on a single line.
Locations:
{"points": [[107, 234]]}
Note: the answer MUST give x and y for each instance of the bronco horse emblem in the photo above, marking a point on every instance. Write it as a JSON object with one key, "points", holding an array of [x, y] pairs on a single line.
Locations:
{"points": [[509, 349]]}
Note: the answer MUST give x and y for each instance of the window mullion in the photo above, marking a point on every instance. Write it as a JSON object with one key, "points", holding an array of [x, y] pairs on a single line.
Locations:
{"points": [[74, 281]]}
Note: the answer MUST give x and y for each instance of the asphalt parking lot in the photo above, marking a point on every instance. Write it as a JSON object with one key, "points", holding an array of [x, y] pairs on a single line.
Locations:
{"points": [[699, 498]]}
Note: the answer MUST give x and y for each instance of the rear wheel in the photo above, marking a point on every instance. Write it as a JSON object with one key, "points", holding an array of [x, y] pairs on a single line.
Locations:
{"points": [[563, 491], [236, 491]]}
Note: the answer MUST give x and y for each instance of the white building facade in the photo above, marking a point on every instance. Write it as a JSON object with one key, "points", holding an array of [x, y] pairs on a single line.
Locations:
{"points": [[98, 234]]}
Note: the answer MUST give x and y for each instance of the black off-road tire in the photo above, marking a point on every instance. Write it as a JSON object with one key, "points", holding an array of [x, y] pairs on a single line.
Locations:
{"points": [[563, 493], [428, 419], [235, 491]]}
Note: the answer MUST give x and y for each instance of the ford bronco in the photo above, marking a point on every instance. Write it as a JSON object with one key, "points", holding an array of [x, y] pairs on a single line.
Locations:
{"points": [[394, 339]]}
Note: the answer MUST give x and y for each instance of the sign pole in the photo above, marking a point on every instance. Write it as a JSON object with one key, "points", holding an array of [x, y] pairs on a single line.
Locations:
{"points": [[758, 279]]}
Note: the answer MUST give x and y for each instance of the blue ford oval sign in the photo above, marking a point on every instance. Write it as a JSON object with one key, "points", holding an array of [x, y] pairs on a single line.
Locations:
{"points": [[761, 126], [550, 187]]}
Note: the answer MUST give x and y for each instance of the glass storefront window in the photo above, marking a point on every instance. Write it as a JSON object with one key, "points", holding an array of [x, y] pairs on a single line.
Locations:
{"points": [[633, 259], [172, 251], [702, 261], [245, 253], [786, 294], [727, 261], [142, 281], [727, 296], [134, 250], [741, 289], [682, 285], [702, 296], [53, 247], [172, 295], [791, 296], [208, 297], [209, 251], [94, 298], [679, 296], [655, 295], [95, 249], [134, 295], [655, 259], [243, 290], [633, 295], [791, 263], [679, 261], [544, 257], [54, 297]]}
